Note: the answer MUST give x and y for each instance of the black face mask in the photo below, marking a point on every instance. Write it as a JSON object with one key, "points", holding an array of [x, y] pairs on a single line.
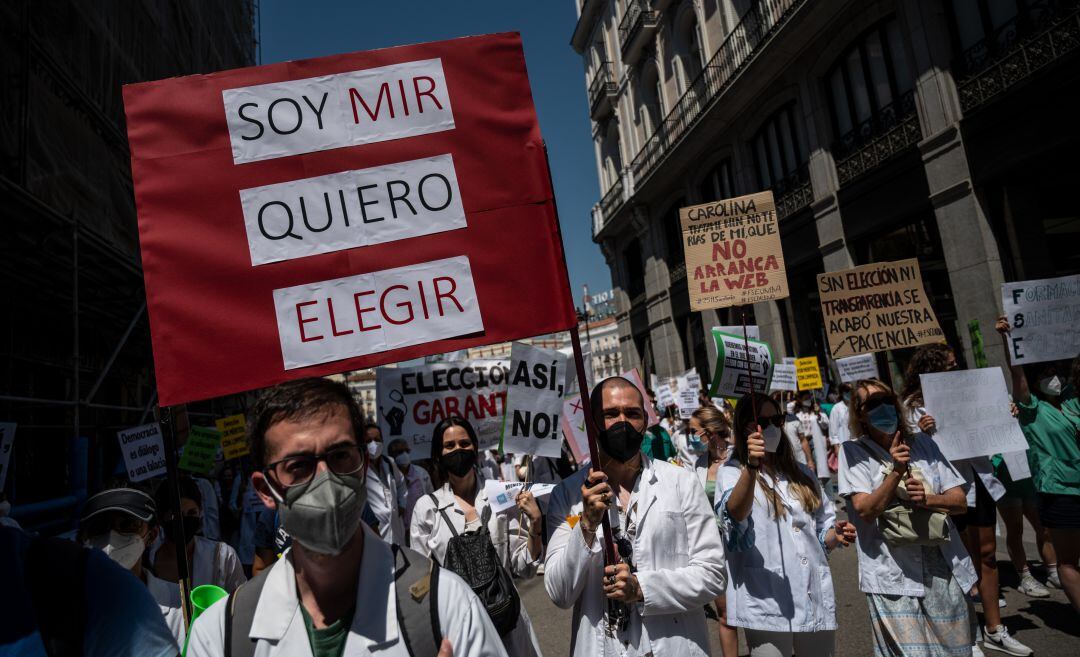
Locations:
{"points": [[192, 524], [621, 441], [459, 462]]}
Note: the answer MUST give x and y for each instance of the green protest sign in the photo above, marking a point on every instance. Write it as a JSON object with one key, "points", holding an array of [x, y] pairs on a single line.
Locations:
{"points": [[200, 450], [732, 376]]}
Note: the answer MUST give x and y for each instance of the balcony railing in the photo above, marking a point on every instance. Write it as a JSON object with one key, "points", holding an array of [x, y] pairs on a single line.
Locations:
{"points": [[1041, 34], [877, 139], [741, 47], [611, 202], [792, 193], [637, 18], [601, 89]]}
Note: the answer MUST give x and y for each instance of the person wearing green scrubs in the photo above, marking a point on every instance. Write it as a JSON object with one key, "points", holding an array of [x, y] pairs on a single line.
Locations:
{"points": [[1052, 428], [657, 444]]}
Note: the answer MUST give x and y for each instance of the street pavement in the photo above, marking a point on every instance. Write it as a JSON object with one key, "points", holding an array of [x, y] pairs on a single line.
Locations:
{"points": [[1049, 625]]}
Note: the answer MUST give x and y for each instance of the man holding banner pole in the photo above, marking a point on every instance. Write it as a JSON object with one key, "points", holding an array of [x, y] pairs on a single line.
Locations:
{"points": [[671, 561]]}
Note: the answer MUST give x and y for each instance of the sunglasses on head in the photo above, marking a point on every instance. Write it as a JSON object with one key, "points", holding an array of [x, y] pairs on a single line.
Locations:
{"points": [[874, 402]]}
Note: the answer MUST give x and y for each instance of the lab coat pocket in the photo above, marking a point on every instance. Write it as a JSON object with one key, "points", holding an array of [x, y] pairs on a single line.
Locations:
{"points": [[670, 545], [759, 596], [824, 595]]}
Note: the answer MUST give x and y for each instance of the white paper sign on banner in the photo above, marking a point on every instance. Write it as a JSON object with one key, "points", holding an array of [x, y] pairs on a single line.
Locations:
{"points": [[7, 444], [1017, 463], [573, 426], [502, 495], [534, 401], [689, 379], [856, 368], [1044, 315], [412, 400], [665, 397], [784, 378], [732, 376], [971, 411], [688, 402], [752, 331], [143, 450]]}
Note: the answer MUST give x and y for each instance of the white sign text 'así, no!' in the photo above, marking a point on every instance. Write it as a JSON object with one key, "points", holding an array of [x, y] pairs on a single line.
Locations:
{"points": [[349, 209], [333, 111], [383, 310]]}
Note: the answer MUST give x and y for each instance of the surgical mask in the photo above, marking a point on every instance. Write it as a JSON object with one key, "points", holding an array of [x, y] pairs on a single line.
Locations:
{"points": [[374, 448], [771, 435], [1050, 386], [459, 462], [790, 407], [323, 515], [696, 444], [402, 460], [846, 397], [621, 441], [883, 418], [124, 549], [192, 525], [5, 508]]}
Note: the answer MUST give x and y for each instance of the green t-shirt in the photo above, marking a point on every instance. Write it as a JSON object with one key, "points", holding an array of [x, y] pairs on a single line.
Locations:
{"points": [[1054, 445], [328, 641], [657, 444]]}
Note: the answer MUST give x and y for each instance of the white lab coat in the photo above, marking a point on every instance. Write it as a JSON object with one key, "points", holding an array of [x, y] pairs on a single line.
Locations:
{"points": [[892, 570], [813, 425], [430, 536], [780, 577], [678, 553], [167, 595], [279, 627], [791, 431], [211, 513], [838, 424], [386, 493], [213, 562]]}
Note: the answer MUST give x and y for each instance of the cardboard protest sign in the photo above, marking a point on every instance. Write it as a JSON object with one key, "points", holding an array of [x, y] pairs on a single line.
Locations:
{"points": [[733, 252], [971, 410], [199, 450], [502, 495], [1045, 316], [573, 427], [732, 377], [7, 443], [784, 378], [534, 401], [143, 450], [856, 368], [877, 307], [233, 431], [325, 215], [412, 400], [752, 330], [808, 373]]}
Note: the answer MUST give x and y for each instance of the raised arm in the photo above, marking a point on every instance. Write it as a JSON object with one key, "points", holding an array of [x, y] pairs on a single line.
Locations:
{"points": [[871, 505], [741, 501], [1021, 391]]}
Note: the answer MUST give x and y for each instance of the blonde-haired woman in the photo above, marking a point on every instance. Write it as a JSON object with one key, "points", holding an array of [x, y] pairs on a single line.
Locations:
{"points": [[711, 426], [916, 592], [777, 530]]}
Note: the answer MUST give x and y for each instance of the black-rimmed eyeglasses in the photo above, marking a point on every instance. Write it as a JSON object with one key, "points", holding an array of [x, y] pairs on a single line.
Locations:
{"points": [[299, 470]]}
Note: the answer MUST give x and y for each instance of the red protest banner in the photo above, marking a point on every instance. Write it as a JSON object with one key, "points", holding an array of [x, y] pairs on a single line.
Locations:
{"points": [[317, 216]]}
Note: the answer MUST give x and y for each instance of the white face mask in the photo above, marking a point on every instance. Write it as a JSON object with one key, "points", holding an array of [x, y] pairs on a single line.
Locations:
{"points": [[1051, 386], [124, 549], [374, 448], [772, 436], [402, 460]]}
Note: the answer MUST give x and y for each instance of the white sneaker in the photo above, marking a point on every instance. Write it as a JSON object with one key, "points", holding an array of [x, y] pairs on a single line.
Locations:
{"points": [[1053, 580], [976, 651], [1031, 587], [999, 639]]}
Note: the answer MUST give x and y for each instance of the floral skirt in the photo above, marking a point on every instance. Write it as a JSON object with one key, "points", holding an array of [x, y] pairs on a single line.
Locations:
{"points": [[936, 625]]}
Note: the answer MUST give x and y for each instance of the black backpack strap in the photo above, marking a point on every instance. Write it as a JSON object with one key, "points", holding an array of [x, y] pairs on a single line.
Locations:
{"points": [[417, 578], [55, 572], [240, 613], [442, 512]]}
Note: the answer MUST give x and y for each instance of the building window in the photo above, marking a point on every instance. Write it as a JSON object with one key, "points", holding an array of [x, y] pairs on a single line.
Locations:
{"points": [[717, 184], [635, 270], [778, 153], [870, 86], [651, 96], [983, 29], [673, 233]]}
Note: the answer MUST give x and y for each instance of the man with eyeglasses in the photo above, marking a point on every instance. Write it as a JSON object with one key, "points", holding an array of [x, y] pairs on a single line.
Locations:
{"points": [[671, 557], [338, 590]]}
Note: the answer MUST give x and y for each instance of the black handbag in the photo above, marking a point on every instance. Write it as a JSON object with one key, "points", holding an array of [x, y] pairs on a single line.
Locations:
{"points": [[472, 556]]}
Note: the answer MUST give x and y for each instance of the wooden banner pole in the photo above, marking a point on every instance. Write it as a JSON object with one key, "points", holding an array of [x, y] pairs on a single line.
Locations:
{"points": [[167, 420]]}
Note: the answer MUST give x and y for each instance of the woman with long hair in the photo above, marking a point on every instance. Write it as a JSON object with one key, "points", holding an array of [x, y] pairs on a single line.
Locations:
{"points": [[916, 586], [977, 525], [778, 530], [1051, 423], [712, 428], [459, 507]]}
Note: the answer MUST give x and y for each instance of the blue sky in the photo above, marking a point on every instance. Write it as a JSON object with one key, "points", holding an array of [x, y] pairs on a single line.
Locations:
{"points": [[297, 30]]}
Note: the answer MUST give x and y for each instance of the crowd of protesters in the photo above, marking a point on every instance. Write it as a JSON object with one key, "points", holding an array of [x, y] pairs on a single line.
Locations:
{"points": [[329, 541]]}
